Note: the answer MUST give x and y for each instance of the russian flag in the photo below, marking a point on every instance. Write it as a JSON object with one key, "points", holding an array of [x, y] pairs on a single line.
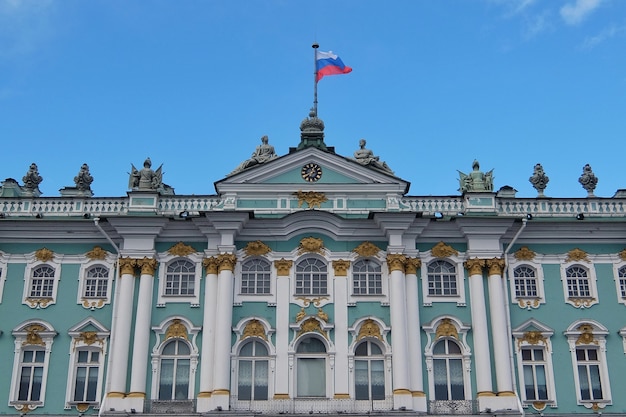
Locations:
{"points": [[327, 63]]}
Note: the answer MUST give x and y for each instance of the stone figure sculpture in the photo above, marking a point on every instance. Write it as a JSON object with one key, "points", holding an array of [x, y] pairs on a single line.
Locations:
{"points": [[262, 154], [588, 180], [83, 179], [148, 179], [539, 180], [32, 179], [366, 157], [476, 181]]}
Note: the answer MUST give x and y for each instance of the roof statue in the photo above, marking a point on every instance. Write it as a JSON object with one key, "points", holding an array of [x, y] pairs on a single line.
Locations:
{"points": [[476, 181], [83, 179], [366, 157], [147, 179], [312, 133], [32, 179], [262, 154], [588, 180], [539, 180]]}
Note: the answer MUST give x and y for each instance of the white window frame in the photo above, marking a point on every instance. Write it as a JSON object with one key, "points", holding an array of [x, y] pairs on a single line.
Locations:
{"points": [[589, 334], [523, 301], [535, 335], [30, 335], [369, 275], [457, 262], [581, 301], [95, 302], [328, 276], [89, 334], [157, 353], [3, 273], [239, 271], [40, 302], [620, 282], [165, 259], [460, 338], [328, 370]]}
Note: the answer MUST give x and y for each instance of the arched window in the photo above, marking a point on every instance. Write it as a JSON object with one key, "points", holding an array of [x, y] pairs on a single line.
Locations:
{"points": [[578, 285], [525, 282], [442, 279], [255, 276], [311, 277], [253, 372], [96, 282], [369, 372], [42, 282], [311, 368], [448, 370], [367, 278], [174, 371], [180, 278]]}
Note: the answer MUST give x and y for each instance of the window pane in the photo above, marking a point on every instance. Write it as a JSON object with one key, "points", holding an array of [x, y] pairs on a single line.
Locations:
{"points": [[311, 377], [361, 380], [244, 387]]}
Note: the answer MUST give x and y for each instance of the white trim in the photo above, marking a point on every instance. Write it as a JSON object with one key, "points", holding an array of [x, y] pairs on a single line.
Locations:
{"points": [[239, 297], [3, 272], [621, 298], [165, 259], [527, 302], [457, 261], [40, 302], [580, 302], [95, 302]]}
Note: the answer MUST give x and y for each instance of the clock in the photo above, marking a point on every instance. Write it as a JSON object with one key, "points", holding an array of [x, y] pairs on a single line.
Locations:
{"points": [[311, 172]]}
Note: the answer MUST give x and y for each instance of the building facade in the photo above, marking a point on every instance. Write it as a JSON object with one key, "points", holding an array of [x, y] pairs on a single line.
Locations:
{"points": [[311, 283]]}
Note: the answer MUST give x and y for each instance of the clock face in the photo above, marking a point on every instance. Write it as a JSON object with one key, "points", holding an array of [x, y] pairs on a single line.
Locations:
{"points": [[311, 172]]}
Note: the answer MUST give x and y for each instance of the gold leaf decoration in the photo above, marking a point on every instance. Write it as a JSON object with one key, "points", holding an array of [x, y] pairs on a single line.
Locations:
{"points": [[311, 325], [446, 328], [97, 253], [322, 315], [577, 255], [586, 336], [441, 250], [181, 249], [366, 249], [396, 262], [177, 330], [256, 248], [412, 265], [44, 255], [282, 267], [369, 328], [32, 335], [341, 267], [311, 198], [622, 255], [524, 254], [254, 328], [532, 337], [301, 314], [311, 245]]}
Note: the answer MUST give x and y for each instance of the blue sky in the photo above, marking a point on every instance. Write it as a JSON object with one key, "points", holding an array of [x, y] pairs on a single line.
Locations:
{"points": [[195, 84]]}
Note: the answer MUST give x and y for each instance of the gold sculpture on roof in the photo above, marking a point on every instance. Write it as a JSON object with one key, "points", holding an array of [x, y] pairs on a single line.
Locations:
{"points": [[441, 250], [366, 249], [181, 249], [311, 198], [311, 245], [256, 248], [97, 253], [524, 254], [44, 255], [576, 255]]}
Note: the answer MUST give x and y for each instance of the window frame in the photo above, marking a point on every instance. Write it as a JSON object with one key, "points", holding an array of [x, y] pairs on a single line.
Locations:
{"points": [[457, 262], [297, 356], [579, 301], [40, 301], [534, 264], [269, 272], [3, 273], [620, 281], [324, 278], [165, 260], [375, 276], [95, 302]]}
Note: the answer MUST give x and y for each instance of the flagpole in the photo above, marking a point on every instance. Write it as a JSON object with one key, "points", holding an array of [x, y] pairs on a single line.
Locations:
{"points": [[315, 46]]}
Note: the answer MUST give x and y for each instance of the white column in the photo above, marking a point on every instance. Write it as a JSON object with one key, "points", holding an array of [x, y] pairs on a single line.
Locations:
{"points": [[413, 331], [397, 305], [141, 343], [223, 331], [283, 295], [207, 363], [479, 327], [122, 322], [342, 385], [504, 377]]}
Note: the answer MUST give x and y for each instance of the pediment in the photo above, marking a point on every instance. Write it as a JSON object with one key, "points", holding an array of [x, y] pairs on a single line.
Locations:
{"points": [[338, 173]]}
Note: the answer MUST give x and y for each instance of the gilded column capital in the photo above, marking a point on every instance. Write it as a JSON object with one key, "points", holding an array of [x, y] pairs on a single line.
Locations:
{"points": [[496, 266], [210, 265], [226, 262], [282, 267], [396, 262], [147, 265], [341, 267], [127, 266], [474, 266], [412, 265]]}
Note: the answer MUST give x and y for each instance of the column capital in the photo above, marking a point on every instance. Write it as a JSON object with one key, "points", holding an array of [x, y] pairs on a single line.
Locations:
{"points": [[127, 266], [226, 262], [341, 267], [147, 265], [496, 266], [412, 265], [396, 262], [282, 267], [474, 266], [210, 265]]}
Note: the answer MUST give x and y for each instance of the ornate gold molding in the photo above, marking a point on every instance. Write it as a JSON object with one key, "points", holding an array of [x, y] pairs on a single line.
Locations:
{"points": [[341, 267], [38, 302], [301, 314], [396, 262], [181, 249], [342, 396], [582, 302], [532, 337], [369, 328], [311, 325], [576, 255], [474, 266], [82, 407], [311, 245], [283, 266], [311, 198], [44, 255], [524, 254], [176, 330], [127, 266], [32, 335], [147, 265], [93, 303], [528, 302], [315, 301], [539, 405], [210, 265], [256, 248], [254, 328], [226, 262], [96, 253], [322, 315], [622, 255], [496, 266], [586, 336], [281, 396], [401, 391], [366, 249], [89, 338], [446, 329], [441, 250], [412, 265]]}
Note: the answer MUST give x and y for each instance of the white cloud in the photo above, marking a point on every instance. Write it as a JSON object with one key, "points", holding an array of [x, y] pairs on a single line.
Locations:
{"points": [[607, 33], [574, 13]]}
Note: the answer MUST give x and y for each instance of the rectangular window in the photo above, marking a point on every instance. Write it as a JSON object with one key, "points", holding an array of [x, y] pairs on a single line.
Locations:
{"points": [[42, 287], [96, 287], [622, 287], [86, 380], [31, 375], [526, 287], [534, 368], [588, 366], [578, 287], [442, 285]]}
